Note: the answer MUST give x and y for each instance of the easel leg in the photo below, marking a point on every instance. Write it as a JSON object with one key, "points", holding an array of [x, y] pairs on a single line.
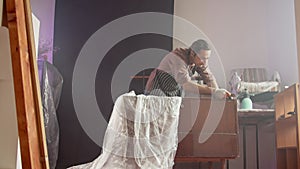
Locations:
{"points": [[4, 15]]}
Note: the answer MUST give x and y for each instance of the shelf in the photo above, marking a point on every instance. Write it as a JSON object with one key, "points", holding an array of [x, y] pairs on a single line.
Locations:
{"points": [[286, 128], [291, 118], [285, 148]]}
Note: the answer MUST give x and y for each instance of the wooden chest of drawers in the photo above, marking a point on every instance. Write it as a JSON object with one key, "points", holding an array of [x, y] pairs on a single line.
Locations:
{"points": [[223, 142]]}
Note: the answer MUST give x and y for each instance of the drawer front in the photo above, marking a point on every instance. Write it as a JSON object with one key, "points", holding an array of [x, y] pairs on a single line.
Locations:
{"points": [[223, 142], [286, 132]]}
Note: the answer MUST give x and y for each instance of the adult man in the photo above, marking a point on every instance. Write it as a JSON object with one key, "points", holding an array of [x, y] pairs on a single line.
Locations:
{"points": [[176, 72]]}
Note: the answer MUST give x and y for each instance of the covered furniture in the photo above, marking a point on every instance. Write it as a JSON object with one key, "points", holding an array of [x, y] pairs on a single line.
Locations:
{"points": [[51, 82], [257, 83], [141, 134], [256, 80]]}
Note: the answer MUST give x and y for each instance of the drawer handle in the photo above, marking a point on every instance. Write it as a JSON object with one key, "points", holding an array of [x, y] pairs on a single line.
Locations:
{"points": [[291, 113]]}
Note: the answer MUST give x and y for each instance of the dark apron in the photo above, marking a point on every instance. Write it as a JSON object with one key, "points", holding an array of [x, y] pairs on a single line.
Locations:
{"points": [[161, 83]]}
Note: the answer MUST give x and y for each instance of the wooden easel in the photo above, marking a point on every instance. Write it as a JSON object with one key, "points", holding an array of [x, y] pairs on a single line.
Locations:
{"points": [[17, 17]]}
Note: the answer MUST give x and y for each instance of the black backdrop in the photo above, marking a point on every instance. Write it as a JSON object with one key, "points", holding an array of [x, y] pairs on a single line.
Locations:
{"points": [[75, 22]]}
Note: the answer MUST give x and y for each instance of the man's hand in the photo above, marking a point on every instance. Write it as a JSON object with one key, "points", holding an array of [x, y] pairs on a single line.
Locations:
{"points": [[198, 61], [222, 94]]}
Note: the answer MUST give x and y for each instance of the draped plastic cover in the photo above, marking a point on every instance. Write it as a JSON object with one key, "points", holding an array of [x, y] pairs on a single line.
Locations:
{"points": [[141, 134], [51, 86]]}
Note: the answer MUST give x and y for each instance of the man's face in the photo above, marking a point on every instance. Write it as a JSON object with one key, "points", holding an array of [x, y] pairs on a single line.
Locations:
{"points": [[204, 56]]}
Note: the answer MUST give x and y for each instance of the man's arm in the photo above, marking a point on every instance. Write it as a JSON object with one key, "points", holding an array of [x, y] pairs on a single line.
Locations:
{"points": [[207, 76], [196, 88]]}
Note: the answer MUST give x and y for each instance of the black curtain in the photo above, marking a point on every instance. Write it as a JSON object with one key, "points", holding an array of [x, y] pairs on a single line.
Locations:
{"points": [[75, 22]]}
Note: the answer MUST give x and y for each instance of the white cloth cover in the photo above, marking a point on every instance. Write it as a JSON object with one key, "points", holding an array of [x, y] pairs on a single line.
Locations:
{"points": [[141, 134], [259, 87]]}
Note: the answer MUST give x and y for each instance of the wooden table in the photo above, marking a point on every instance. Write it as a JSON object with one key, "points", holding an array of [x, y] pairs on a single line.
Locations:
{"points": [[254, 117]]}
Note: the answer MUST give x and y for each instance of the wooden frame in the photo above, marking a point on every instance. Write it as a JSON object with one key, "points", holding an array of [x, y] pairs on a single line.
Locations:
{"points": [[17, 17], [287, 128]]}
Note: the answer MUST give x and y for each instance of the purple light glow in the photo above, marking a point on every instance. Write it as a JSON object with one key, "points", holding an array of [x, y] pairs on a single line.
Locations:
{"points": [[44, 10]]}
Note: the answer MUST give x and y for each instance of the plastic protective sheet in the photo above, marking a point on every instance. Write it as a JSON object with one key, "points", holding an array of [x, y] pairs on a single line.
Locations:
{"points": [[51, 85], [141, 134]]}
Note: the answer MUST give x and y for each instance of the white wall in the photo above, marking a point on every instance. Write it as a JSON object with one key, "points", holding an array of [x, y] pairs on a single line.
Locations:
{"points": [[281, 37], [253, 33]]}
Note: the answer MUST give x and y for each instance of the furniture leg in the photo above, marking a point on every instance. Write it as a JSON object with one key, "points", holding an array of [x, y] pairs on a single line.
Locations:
{"points": [[223, 164], [200, 165], [210, 165], [257, 146], [244, 148]]}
